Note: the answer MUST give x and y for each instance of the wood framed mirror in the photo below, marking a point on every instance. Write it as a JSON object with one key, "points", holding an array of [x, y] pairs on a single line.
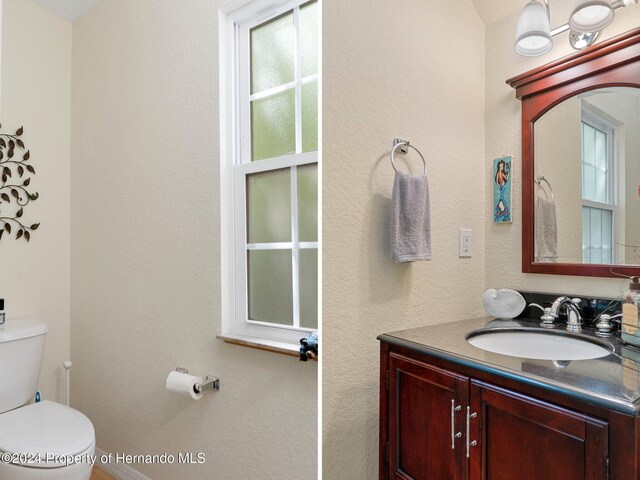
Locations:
{"points": [[589, 156]]}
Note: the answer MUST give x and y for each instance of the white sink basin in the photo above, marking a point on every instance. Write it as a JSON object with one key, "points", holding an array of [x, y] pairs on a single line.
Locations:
{"points": [[539, 344]]}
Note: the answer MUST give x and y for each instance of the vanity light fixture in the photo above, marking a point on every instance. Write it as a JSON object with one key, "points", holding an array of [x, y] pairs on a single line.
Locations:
{"points": [[588, 18], [533, 36]]}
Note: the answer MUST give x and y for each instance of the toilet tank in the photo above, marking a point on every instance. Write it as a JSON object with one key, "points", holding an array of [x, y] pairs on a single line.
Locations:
{"points": [[21, 348]]}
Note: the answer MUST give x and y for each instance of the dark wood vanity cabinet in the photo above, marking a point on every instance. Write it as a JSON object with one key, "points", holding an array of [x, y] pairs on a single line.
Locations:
{"points": [[425, 399], [511, 435]]}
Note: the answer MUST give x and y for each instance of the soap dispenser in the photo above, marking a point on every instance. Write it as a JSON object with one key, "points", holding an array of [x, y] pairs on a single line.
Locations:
{"points": [[630, 327]]}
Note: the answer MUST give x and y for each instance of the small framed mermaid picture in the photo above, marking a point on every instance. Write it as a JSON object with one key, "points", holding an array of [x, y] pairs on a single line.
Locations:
{"points": [[502, 190]]}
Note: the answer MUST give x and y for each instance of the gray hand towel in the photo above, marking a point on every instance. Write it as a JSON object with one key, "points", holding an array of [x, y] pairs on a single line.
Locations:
{"points": [[546, 231], [410, 219]]}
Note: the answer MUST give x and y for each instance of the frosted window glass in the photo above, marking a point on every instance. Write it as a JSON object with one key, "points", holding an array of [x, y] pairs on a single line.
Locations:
{"points": [[308, 261], [273, 130], [270, 286], [308, 203], [269, 206], [309, 38], [310, 117], [272, 53]]}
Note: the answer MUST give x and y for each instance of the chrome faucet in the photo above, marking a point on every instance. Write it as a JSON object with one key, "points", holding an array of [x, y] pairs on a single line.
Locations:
{"points": [[574, 319]]}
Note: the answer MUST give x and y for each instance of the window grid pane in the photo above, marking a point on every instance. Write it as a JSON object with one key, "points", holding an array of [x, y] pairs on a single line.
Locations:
{"points": [[292, 190], [607, 232], [308, 202], [272, 54], [284, 119], [597, 223], [308, 265], [269, 206], [270, 287], [309, 38], [595, 165], [597, 235], [289, 124], [273, 126], [310, 117]]}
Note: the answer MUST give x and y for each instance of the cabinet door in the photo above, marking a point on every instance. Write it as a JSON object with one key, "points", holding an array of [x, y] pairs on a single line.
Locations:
{"points": [[524, 438], [423, 421]]}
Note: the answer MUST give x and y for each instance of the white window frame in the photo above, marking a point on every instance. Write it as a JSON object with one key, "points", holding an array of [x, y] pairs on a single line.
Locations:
{"points": [[235, 21], [593, 117]]}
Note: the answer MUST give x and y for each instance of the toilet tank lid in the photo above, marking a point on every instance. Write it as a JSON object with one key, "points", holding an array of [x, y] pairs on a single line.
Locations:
{"points": [[17, 328]]}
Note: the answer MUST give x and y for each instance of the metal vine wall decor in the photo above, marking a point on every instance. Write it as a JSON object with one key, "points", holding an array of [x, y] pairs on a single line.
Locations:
{"points": [[14, 195]]}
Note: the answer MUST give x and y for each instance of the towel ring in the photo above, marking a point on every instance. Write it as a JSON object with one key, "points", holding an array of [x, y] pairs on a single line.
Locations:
{"points": [[540, 179], [404, 146]]}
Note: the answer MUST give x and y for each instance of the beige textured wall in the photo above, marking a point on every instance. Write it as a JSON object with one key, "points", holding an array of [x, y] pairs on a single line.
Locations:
{"points": [[145, 256], [632, 201], [410, 69], [36, 82], [503, 116]]}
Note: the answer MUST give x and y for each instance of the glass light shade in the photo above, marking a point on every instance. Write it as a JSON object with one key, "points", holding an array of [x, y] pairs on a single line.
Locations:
{"points": [[590, 15], [533, 36]]}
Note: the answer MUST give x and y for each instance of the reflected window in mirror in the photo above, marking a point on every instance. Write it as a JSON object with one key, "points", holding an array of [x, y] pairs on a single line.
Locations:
{"points": [[598, 186]]}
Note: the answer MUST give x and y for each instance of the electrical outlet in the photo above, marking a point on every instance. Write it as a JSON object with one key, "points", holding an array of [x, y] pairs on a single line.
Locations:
{"points": [[465, 242]]}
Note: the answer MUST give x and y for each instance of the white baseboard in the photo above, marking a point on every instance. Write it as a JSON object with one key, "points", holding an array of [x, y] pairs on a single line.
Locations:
{"points": [[120, 471]]}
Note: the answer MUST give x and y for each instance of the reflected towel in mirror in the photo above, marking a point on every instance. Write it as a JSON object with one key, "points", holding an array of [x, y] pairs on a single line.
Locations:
{"points": [[546, 231]]}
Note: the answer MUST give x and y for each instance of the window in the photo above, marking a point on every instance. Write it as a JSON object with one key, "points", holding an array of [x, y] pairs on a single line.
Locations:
{"points": [[598, 189], [273, 159]]}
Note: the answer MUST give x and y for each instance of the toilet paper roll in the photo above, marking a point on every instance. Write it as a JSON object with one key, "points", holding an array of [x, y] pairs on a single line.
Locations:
{"points": [[183, 384]]}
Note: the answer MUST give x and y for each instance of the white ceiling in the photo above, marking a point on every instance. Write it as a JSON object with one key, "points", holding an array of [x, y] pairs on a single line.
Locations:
{"points": [[490, 11], [69, 9]]}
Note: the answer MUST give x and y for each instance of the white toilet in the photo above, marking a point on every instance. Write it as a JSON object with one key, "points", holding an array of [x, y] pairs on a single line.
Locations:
{"points": [[42, 441]]}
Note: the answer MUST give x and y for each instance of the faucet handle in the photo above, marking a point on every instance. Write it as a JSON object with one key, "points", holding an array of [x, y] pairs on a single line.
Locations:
{"points": [[547, 317], [604, 327]]}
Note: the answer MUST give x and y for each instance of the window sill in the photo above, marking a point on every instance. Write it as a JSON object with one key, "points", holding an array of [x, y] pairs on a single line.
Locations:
{"points": [[274, 346]]}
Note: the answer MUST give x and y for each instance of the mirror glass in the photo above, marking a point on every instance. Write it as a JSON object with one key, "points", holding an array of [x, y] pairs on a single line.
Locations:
{"points": [[587, 174]]}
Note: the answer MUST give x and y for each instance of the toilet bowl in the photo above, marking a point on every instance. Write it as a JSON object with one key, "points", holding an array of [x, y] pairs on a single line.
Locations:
{"points": [[40, 441]]}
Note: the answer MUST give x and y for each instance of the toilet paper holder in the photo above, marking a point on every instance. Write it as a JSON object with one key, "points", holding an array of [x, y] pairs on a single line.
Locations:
{"points": [[210, 382]]}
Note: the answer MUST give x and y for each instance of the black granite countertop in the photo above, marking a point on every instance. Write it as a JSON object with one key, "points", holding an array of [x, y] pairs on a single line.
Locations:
{"points": [[612, 382]]}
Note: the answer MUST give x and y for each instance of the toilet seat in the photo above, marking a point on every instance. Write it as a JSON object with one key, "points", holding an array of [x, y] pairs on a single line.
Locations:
{"points": [[47, 429]]}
